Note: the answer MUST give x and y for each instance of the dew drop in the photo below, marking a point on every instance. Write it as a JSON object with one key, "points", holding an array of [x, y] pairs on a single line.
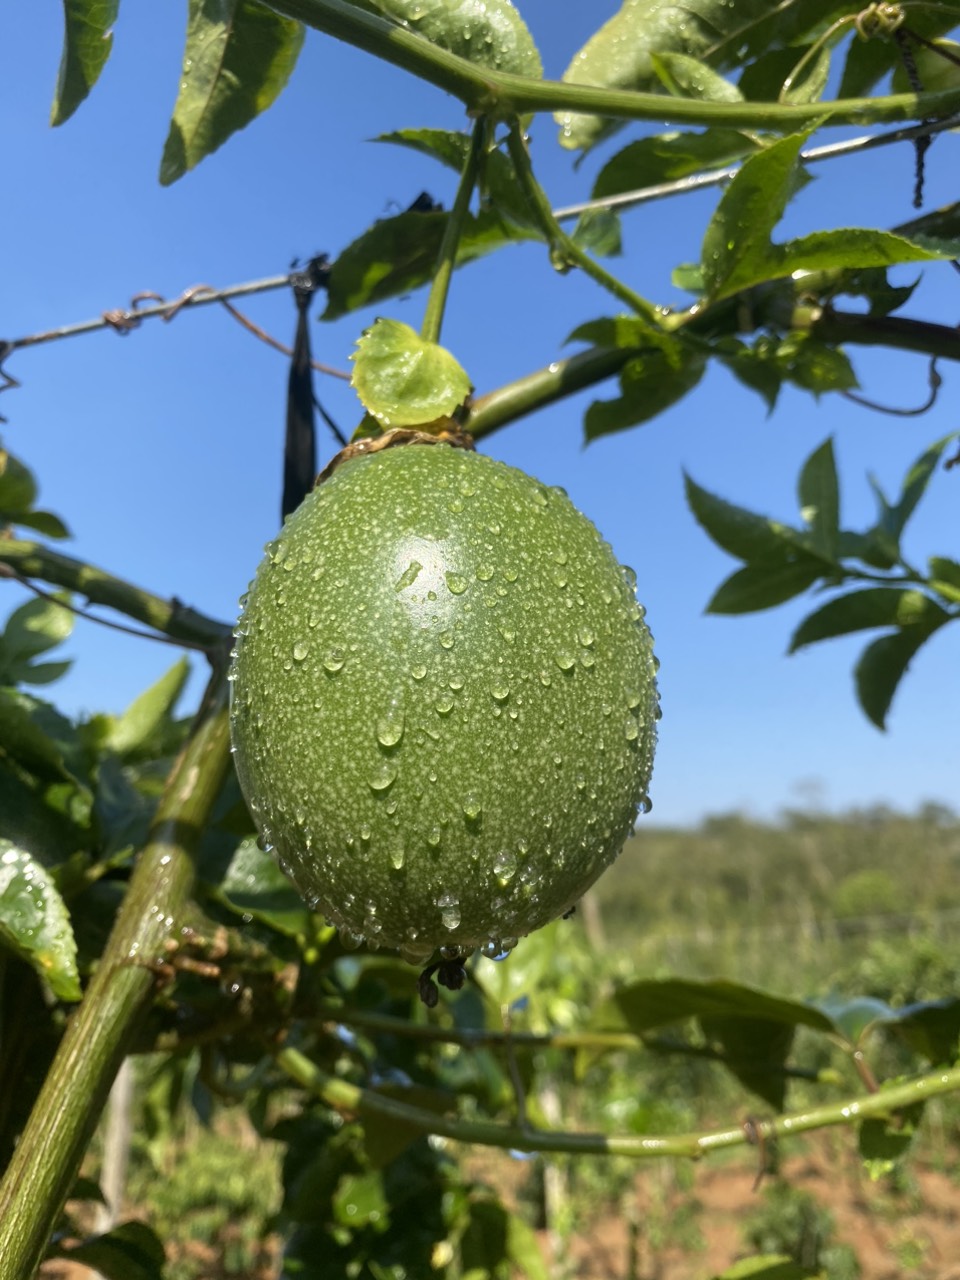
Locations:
{"points": [[500, 690], [546, 679], [383, 776], [349, 939], [631, 729], [508, 633], [300, 650], [390, 724], [472, 806], [397, 857], [456, 582], [434, 836], [419, 671], [456, 682], [586, 637], [333, 660], [505, 866], [565, 660], [449, 910], [446, 639], [444, 704], [484, 572]]}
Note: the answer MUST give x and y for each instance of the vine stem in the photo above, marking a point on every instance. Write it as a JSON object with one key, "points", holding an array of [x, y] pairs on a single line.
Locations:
{"points": [[48, 1155], [564, 250], [501, 94], [170, 617], [447, 257], [353, 1100]]}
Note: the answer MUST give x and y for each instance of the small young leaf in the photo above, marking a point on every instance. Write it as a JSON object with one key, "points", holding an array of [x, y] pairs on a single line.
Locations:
{"points": [[915, 485], [131, 731], [819, 494], [32, 629], [882, 666], [852, 1018], [403, 380], [238, 56], [742, 533], [87, 42], [761, 586], [867, 609], [34, 921], [45, 522]]}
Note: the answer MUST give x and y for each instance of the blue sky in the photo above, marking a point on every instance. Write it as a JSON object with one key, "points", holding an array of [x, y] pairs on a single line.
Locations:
{"points": [[162, 449]]}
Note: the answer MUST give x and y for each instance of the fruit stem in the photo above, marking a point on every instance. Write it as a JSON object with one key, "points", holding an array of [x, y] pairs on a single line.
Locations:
{"points": [[564, 250], [447, 257], [103, 1027]]}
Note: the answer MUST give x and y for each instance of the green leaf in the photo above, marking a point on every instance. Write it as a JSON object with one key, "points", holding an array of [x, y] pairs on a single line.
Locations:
{"points": [[38, 737], [687, 77], [755, 1051], [868, 61], [649, 384], [914, 486], [87, 42], [853, 1018], [34, 921], [945, 577], [647, 1004], [883, 1142], [742, 533], [819, 494], [598, 231], [131, 1251], [386, 1137], [866, 609], [813, 365], [18, 489], [238, 56], [45, 522], [32, 629], [253, 885], [403, 380], [737, 239], [882, 666], [762, 586], [133, 731], [492, 34], [931, 1028], [719, 34], [397, 255], [668, 157], [752, 365]]}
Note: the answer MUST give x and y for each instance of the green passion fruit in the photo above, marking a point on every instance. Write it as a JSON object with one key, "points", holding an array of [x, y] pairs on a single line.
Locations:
{"points": [[444, 701]]}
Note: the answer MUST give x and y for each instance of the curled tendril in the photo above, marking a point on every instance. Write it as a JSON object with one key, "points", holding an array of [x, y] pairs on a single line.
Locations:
{"points": [[879, 21]]}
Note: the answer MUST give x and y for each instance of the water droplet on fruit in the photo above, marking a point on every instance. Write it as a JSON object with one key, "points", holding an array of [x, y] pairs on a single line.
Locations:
{"points": [[397, 857], [484, 572], [390, 724], [508, 633], [444, 704], [505, 866], [631, 729], [472, 806], [349, 939], [300, 650], [456, 682], [383, 776], [333, 660], [500, 690], [456, 582], [419, 671], [434, 836], [449, 910], [565, 660], [446, 639]]}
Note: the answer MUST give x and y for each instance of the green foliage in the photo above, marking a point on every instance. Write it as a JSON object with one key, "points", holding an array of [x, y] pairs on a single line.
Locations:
{"points": [[849, 917], [784, 561]]}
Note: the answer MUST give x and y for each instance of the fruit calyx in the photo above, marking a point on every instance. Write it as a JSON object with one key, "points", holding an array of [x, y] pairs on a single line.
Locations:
{"points": [[449, 434]]}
